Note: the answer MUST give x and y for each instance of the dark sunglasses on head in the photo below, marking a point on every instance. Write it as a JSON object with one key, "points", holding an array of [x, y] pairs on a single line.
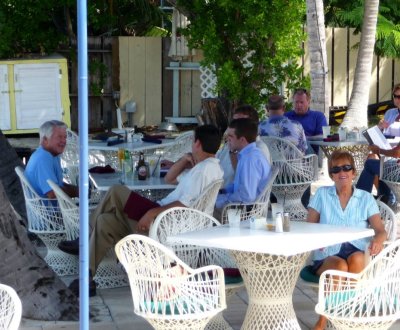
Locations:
{"points": [[395, 96], [337, 169]]}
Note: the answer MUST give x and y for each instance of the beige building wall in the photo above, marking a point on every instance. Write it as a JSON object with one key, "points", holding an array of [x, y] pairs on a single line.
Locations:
{"points": [[141, 70], [141, 78]]}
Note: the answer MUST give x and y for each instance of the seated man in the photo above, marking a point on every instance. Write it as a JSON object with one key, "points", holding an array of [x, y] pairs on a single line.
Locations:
{"points": [[312, 121], [45, 162], [252, 168], [280, 126], [228, 160], [370, 174], [123, 212]]}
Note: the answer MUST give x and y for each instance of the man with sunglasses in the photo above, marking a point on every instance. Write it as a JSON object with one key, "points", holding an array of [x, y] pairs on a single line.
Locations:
{"points": [[390, 124], [311, 120]]}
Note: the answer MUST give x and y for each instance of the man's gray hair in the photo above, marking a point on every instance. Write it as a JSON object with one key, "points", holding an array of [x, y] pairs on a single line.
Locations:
{"points": [[46, 129]]}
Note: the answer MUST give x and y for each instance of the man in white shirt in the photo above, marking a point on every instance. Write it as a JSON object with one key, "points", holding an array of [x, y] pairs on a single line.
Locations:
{"points": [[123, 212]]}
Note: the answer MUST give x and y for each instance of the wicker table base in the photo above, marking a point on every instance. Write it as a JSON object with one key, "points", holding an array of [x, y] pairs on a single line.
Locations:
{"points": [[270, 281]]}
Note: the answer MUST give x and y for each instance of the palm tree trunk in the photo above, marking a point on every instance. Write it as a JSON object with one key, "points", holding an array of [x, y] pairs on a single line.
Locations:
{"points": [[8, 161], [357, 113], [318, 58], [44, 296]]}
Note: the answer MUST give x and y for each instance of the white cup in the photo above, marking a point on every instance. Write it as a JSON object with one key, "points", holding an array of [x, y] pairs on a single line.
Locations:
{"points": [[276, 208], [326, 130], [234, 217], [342, 134]]}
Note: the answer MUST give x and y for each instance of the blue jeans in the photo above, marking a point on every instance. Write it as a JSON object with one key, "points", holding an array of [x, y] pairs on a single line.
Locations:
{"points": [[366, 180]]}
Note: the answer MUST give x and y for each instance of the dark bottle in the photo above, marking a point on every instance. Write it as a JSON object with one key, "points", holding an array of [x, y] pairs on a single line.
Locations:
{"points": [[141, 168]]}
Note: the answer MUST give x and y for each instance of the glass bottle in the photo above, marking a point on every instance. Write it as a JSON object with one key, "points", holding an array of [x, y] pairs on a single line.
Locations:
{"points": [[142, 168]]}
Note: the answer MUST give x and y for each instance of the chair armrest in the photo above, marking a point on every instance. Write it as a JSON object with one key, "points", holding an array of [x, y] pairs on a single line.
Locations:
{"points": [[333, 280]]}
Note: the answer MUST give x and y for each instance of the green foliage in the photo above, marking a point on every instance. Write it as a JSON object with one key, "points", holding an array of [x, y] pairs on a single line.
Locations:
{"points": [[346, 13], [28, 26], [252, 46], [98, 73]]}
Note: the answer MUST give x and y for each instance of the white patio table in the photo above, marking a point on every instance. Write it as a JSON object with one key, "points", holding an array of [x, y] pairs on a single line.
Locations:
{"points": [[131, 146], [105, 180], [270, 263]]}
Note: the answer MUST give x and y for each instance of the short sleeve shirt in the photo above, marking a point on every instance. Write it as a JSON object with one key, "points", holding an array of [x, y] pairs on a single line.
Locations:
{"points": [[191, 183], [312, 121], [285, 128], [42, 165], [360, 207]]}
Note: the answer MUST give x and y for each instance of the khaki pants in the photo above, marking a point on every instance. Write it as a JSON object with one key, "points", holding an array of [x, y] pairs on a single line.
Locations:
{"points": [[109, 223]]}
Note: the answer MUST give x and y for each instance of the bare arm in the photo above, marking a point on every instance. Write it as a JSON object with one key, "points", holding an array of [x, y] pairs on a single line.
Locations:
{"points": [[147, 219], [313, 215], [69, 189], [395, 152], [376, 244], [185, 162]]}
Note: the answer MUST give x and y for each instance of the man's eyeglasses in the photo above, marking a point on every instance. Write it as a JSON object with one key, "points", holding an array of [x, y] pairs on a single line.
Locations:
{"points": [[337, 169], [395, 96]]}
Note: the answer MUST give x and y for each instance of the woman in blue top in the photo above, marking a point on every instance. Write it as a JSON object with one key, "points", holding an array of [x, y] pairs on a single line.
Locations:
{"points": [[345, 205]]}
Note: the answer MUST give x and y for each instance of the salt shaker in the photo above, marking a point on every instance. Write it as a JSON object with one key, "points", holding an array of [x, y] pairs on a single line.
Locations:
{"points": [[278, 223], [286, 222]]}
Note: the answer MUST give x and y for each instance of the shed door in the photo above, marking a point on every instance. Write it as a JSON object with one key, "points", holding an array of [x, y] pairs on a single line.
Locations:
{"points": [[5, 121], [37, 94]]}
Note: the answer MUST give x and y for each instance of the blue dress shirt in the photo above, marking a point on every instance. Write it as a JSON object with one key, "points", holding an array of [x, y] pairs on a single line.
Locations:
{"points": [[250, 177]]}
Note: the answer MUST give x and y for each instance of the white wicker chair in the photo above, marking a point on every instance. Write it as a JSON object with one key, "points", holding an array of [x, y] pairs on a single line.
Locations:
{"points": [[179, 220], [109, 274], [296, 173], [10, 308], [260, 206], [45, 220], [165, 291], [391, 176], [182, 145], [368, 300], [206, 201]]}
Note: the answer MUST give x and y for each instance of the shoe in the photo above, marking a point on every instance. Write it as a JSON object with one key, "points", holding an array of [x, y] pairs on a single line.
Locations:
{"points": [[74, 287], [70, 247]]}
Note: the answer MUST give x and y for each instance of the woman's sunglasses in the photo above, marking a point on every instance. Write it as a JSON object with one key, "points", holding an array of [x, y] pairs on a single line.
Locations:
{"points": [[396, 96], [337, 169]]}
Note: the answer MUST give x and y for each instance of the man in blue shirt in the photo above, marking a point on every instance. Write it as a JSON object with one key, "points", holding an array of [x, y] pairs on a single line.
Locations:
{"points": [[312, 121], [45, 162], [252, 169]]}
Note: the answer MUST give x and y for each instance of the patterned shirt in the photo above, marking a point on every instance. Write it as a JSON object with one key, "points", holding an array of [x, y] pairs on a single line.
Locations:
{"points": [[283, 127], [359, 209]]}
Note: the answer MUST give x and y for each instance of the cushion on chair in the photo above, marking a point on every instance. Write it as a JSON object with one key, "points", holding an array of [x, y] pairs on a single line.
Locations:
{"points": [[308, 275], [157, 307], [232, 276]]}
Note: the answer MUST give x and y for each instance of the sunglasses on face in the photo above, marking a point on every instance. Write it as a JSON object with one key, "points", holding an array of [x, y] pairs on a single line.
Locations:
{"points": [[395, 96], [337, 169]]}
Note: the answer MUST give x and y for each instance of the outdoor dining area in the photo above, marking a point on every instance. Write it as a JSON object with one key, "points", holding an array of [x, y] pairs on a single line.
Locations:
{"points": [[195, 271]]}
